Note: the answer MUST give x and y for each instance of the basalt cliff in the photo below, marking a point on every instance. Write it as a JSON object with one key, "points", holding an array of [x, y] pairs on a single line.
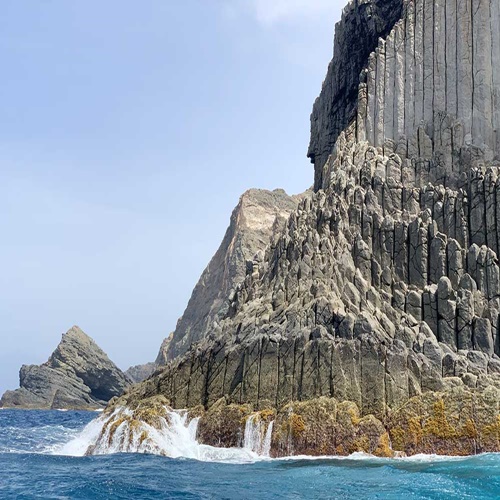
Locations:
{"points": [[78, 375], [369, 321]]}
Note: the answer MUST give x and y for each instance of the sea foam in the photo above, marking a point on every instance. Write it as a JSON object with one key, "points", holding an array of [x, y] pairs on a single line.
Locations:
{"points": [[175, 437]]}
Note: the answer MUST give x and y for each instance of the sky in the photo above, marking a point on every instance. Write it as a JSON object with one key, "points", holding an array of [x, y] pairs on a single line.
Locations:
{"points": [[128, 131]]}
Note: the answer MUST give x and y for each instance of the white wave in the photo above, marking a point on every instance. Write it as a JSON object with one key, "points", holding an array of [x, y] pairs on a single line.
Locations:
{"points": [[361, 456], [79, 445], [176, 437], [258, 433], [434, 458], [109, 434], [358, 455]]}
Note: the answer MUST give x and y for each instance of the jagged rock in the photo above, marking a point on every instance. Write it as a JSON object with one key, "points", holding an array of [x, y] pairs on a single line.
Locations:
{"points": [[483, 338], [258, 216], [162, 357], [459, 420], [356, 36], [78, 375], [138, 373]]}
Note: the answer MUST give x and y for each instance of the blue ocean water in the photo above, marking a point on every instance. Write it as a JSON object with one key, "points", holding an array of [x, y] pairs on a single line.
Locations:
{"points": [[32, 466]]}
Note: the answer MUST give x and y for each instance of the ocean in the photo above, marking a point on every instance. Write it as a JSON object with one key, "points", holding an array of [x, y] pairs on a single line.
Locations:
{"points": [[41, 456]]}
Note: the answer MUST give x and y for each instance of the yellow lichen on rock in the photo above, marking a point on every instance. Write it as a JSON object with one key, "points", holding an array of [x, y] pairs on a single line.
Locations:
{"points": [[438, 424], [397, 437], [296, 424], [223, 424], [384, 448], [142, 438], [267, 415]]}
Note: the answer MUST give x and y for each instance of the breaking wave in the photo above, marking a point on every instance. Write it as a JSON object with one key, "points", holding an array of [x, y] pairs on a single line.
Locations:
{"points": [[75, 434], [174, 436]]}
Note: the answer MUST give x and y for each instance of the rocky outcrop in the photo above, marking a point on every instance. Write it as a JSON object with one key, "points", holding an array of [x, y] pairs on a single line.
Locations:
{"points": [[138, 373], [162, 357], [356, 36], [78, 375], [433, 79], [382, 289], [258, 216], [455, 421]]}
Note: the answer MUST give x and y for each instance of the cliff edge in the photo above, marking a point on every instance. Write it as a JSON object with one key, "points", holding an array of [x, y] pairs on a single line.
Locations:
{"points": [[258, 216]]}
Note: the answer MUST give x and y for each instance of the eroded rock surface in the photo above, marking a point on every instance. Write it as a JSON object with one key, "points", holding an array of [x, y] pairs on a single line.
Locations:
{"points": [[138, 373], [356, 36], [78, 375], [456, 421], [258, 216]]}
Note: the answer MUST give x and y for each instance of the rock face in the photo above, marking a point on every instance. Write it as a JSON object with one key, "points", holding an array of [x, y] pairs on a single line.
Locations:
{"points": [[258, 216], [78, 375], [457, 421], [356, 36], [382, 289], [138, 373], [162, 357]]}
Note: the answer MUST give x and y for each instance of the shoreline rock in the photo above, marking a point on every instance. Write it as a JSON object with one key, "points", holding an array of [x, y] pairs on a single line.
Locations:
{"points": [[456, 422]]}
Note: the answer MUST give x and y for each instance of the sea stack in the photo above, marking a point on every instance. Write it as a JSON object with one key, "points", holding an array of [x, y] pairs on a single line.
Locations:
{"points": [[78, 375], [370, 319]]}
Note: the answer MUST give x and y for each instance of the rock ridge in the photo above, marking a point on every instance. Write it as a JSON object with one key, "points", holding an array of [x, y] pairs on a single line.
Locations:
{"points": [[363, 22], [258, 215]]}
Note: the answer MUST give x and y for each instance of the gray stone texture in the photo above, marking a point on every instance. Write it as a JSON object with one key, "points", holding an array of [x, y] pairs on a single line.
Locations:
{"points": [[258, 216], [78, 375], [384, 284]]}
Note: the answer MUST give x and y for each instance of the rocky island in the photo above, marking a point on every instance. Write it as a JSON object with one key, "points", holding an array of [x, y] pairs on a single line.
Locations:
{"points": [[78, 375], [362, 316]]}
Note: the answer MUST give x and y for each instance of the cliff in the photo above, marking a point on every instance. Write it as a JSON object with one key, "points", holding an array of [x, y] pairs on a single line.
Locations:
{"points": [[381, 293], [138, 373], [258, 215], [356, 36], [78, 375]]}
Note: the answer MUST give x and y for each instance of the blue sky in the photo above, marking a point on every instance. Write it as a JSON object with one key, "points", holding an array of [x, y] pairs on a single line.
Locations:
{"points": [[128, 132]]}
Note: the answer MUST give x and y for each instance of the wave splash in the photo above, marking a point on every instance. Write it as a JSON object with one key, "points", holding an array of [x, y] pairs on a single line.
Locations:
{"points": [[172, 435], [258, 435]]}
